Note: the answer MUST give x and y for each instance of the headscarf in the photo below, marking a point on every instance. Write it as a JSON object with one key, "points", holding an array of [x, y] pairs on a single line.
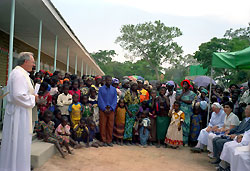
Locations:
{"points": [[146, 82], [133, 82], [115, 81], [171, 83], [90, 78], [141, 81], [204, 91], [97, 77], [125, 81], [186, 80], [65, 79]]}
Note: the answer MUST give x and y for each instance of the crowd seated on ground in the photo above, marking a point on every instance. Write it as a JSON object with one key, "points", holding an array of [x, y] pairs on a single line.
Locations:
{"points": [[79, 112]]}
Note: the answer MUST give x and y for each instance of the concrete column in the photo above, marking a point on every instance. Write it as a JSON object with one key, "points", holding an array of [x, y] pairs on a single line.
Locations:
{"points": [[67, 60], [55, 54], [76, 66], [39, 46], [86, 69], [12, 22], [82, 69]]}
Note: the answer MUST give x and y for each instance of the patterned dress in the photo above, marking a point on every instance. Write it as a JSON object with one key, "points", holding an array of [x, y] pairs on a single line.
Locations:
{"points": [[63, 130], [48, 130], [133, 107], [187, 109], [174, 137], [196, 121], [119, 122]]}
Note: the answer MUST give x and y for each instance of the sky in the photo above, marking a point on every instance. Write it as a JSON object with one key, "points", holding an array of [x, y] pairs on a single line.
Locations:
{"points": [[97, 23]]}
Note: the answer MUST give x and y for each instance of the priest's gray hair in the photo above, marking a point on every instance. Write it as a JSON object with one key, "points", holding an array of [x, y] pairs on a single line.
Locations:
{"points": [[217, 105], [23, 56]]}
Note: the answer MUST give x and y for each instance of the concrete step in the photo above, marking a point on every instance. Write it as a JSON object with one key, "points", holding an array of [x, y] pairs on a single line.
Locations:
{"points": [[41, 152]]}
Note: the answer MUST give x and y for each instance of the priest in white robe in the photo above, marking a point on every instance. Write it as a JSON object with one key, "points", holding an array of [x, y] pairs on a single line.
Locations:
{"points": [[17, 125], [216, 122]]}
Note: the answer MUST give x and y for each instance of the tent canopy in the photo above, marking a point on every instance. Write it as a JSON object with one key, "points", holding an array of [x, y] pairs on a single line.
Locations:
{"points": [[232, 60], [197, 70]]}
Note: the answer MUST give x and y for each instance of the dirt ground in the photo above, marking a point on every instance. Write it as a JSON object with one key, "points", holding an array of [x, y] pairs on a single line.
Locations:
{"points": [[130, 158]]}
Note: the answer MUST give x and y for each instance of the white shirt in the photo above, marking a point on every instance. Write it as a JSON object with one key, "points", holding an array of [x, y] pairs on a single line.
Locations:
{"points": [[63, 102], [231, 119], [172, 98]]}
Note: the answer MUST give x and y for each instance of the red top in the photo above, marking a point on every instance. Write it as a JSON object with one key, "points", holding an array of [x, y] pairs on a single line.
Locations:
{"points": [[75, 92]]}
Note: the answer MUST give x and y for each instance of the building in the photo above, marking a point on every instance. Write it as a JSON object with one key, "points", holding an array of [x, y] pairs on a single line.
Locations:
{"points": [[38, 27]]}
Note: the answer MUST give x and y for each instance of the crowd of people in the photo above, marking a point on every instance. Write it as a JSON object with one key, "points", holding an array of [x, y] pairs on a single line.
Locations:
{"points": [[99, 111], [102, 111]]}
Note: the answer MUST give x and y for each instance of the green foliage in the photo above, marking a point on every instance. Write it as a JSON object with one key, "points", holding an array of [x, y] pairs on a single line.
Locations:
{"points": [[153, 42], [103, 56], [233, 41]]}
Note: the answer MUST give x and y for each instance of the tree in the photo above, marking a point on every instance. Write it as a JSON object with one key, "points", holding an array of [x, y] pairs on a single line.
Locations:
{"points": [[103, 56], [153, 42], [178, 72], [241, 33], [230, 44]]}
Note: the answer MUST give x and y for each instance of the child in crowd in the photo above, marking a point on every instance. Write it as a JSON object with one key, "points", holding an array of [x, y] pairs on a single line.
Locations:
{"points": [[93, 100], [60, 88], [152, 116], [75, 89], [174, 137], [44, 100], [64, 100], [120, 114], [91, 139], [80, 131], [144, 130], [54, 88], [45, 129], [143, 108], [57, 117], [75, 110], [87, 108], [63, 130], [196, 124], [54, 103]]}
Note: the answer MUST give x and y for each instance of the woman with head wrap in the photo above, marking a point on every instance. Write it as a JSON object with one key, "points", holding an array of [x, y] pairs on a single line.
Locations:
{"points": [[115, 83], [132, 100], [186, 97], [203, 98], [171, 94], [125, 87], [162, 119], [144, 93]]}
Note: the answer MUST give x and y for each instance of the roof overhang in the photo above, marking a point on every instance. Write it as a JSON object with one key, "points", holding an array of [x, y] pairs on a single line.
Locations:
{"points": [[28, 14]]}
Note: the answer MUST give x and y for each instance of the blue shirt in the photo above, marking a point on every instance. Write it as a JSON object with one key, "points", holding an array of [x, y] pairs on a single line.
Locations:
{"points": [[217, 119], [107, 97], [247, 119]]}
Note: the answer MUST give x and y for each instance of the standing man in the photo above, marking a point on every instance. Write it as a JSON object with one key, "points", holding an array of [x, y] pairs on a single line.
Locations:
{"points": [[107, 100], [17, 126]]}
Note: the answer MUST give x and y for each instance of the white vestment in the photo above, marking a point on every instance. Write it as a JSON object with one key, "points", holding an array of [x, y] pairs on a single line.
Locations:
{"points": [[229, 155], [17, 131]]}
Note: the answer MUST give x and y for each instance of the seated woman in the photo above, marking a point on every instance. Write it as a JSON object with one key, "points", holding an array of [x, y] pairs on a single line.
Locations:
{"points": [[216, 122], [231, 120]]}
